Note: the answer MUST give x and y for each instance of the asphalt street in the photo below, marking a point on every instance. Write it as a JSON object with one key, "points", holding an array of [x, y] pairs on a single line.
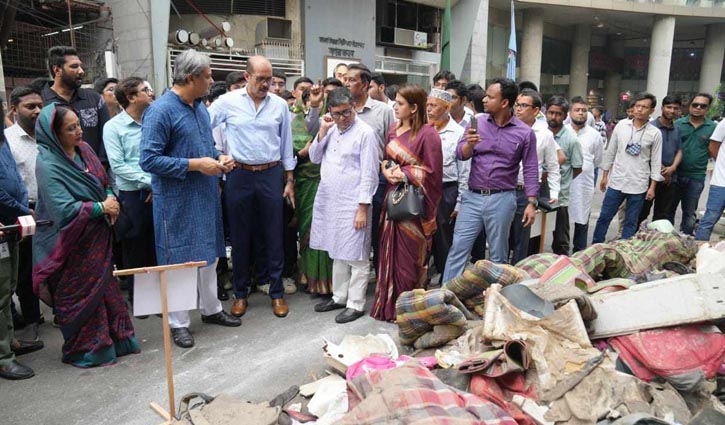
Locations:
{"points": [[254, 362]]}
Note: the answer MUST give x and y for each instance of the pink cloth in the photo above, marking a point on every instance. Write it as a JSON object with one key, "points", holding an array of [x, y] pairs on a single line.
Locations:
{"points": [[380, 362]]}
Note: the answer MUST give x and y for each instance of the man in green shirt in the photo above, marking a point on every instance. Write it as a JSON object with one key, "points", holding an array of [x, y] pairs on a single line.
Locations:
{"points": [[557, 109], [695, 131]]}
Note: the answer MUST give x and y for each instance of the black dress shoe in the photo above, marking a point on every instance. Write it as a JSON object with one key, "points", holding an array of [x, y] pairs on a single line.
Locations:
{"points": [[348, 315], [328, 305], [25, 347], [222, 319], [221, 294], [182, 337], [16, 371]]}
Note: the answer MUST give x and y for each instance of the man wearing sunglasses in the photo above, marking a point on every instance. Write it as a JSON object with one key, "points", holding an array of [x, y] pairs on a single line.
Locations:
{"points": [[695, 130], [631, 164]]}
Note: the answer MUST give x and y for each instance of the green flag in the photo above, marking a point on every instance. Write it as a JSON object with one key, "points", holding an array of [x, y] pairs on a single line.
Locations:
{"points": [[446, 38]]}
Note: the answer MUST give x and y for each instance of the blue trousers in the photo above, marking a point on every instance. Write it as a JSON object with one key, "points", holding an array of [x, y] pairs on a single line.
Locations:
{"points": [[612, 200], [254, 205], [713, 212], [494, 213], [688, 193]]}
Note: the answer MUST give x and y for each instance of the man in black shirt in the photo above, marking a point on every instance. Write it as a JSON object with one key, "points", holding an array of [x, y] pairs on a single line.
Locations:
{"points": [[67, 72]]}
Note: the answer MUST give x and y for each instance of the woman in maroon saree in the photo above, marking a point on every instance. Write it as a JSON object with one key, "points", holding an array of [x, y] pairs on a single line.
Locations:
{"points": [[415, 148]]}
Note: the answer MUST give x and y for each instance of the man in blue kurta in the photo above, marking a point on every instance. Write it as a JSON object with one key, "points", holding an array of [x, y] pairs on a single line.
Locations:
{"points": [[178, 150]]}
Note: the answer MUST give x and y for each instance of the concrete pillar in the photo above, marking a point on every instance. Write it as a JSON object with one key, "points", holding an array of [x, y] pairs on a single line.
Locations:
{"points": [[532, 44], [132, 31], [712, 59], [612, 88], [613, 78], [469, 36], [159, 42], [579, 69], [479, 45], [660, 56]]}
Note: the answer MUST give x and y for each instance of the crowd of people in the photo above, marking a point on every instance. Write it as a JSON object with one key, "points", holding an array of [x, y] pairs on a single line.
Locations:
{"points": [[315, 189]]}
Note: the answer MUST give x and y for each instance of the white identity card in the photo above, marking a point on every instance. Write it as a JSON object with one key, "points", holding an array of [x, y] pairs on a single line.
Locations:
{"points": [[181, 291]]}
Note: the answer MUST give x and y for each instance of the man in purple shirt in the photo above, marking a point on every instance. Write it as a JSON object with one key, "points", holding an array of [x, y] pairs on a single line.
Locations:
{"points": [[501, 143]]}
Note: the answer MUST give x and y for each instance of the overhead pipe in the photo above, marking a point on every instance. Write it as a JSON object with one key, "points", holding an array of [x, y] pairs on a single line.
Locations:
{"points": [[179, 37], [210, 32]]}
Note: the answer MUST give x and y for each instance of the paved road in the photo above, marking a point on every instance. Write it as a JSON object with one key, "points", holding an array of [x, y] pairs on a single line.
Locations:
{"points": [[255, 362]]}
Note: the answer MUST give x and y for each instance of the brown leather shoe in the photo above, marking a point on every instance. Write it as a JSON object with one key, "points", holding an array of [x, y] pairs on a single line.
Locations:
{"points": [[239, 307], [280, 307]]}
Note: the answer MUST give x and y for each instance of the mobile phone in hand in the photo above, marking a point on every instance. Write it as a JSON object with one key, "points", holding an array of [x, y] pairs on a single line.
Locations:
{"points": [[474, 124]]}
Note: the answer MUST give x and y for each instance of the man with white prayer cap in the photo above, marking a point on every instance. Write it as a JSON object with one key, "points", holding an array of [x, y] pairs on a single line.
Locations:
{"points": [[455, 173]]}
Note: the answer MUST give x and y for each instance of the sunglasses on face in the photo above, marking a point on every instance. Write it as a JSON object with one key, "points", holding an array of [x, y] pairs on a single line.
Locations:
{"points": [[699, 105]]}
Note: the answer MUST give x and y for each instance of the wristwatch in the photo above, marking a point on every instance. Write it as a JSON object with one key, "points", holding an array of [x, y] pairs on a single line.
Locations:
{"points": [[534, 202]]}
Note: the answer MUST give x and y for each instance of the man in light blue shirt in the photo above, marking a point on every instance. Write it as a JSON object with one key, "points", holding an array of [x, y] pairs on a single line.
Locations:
{"points": [[259, 137], [122, 140]]}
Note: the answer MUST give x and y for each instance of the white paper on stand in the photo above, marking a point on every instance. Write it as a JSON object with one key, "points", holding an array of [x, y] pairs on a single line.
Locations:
{"points": [[181, 291]]}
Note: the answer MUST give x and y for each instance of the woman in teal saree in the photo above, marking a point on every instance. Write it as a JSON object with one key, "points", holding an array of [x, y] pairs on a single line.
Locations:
{"points": [[72, 259]]}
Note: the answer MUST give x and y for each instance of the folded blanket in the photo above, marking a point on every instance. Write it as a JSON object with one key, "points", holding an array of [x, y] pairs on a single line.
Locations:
{"points": [[430, 318], [470, 285], [411, 394]]}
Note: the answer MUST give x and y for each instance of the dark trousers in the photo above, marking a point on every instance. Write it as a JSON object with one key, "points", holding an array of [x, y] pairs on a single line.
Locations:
{"points": [[664, 204], [378, 200], [581, 234], [687, 192], [290, 242], [613, 198], [29, 304], [137, 245], [222, 265], [519, 235], [478, 251], [443, 236], [560, 241], [255, 207], [8, 283]]}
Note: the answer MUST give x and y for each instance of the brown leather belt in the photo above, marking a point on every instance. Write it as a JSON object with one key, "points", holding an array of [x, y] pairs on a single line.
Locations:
{"points": [[258, 167]]}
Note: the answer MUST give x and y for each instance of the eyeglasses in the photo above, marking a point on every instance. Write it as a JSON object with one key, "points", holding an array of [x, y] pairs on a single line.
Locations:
{"points": [[336, 115], [522, 105], [259, 79], [699, 105], [146, 90]]}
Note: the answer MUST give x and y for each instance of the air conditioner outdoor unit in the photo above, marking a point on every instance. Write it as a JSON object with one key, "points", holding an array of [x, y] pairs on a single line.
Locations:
{"points": [[276, 29], [410, 38]]}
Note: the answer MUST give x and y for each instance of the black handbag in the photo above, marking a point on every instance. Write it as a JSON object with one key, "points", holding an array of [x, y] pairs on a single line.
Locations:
{"points": [[405, 202]]}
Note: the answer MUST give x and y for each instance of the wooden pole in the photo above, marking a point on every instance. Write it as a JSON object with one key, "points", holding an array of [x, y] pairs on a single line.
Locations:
{"points": [[167, 342], [165, 325], [152, 269]]}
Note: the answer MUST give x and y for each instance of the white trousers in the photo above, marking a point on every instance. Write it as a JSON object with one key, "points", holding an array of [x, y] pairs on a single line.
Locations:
{"points": [[208, 302], [350, 282]]}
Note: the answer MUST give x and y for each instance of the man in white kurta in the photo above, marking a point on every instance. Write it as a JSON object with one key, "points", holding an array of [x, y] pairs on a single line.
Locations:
{"points": [[347, 149], [582, 187]]}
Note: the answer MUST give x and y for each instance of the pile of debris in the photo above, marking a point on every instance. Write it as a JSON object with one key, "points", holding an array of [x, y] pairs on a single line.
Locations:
{"points": [[621, 333]]}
